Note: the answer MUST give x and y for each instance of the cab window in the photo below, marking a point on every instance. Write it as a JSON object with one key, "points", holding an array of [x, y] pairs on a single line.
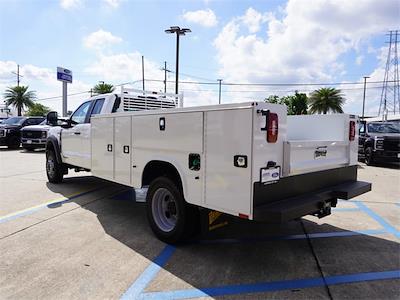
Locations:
{"points": [[362, 128], [80, 114], [97, 107], [34, 121]]}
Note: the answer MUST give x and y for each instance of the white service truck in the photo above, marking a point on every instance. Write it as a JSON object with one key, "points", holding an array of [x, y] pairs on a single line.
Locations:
{"points": [[249, 160]]}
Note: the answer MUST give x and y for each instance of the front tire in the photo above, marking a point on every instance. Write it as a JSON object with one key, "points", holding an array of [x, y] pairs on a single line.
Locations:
{"points": [[171, 219], [369, 156], [54, 170], [14, 143]]}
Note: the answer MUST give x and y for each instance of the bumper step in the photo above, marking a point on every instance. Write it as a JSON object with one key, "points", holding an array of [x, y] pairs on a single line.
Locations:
{"points": [[295, 207]]}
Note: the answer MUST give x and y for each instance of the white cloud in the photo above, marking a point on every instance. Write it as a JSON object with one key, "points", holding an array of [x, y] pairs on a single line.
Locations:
{"points": [[112, 3], [359, 60], [305, 44], [71, 4], [206, 17], [100, 39]]}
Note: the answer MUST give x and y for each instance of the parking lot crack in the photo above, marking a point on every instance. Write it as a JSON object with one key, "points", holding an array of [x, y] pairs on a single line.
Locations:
{"points": [[316, 260]]}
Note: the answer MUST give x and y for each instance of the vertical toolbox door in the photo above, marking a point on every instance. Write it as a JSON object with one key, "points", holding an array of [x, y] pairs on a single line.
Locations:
{"points": [[228, 138], [123, 150], [103, 147]]}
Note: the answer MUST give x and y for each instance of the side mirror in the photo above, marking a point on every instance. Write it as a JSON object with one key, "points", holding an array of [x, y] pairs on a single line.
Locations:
{"points": [[52, 118], [67, 124]]}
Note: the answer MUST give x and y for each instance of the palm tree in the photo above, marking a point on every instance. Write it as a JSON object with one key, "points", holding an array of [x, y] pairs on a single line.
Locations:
{"points": [[325, 100], [19, 97], [103, 88]]}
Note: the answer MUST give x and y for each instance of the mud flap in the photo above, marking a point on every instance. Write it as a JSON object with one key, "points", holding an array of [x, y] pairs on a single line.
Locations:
{"points": [[212, 220]]}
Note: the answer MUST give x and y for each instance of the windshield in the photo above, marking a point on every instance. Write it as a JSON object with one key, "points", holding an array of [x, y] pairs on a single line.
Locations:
{"points": [[384, 128], [14, 121]]}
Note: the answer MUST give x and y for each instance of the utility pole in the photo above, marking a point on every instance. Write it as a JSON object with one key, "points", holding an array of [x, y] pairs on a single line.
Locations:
{"points": [[365, 86], [219, 97], [165, 76], [143, 71], [390, 95], [18, 76], [179, 31]]}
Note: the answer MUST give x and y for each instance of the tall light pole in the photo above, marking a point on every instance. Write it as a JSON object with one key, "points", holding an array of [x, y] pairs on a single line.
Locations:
{"points": [[179, 31], [365, 86]]}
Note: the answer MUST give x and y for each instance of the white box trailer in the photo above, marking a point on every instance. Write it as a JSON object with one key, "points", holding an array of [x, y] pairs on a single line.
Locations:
{"points": [[248, 160]]}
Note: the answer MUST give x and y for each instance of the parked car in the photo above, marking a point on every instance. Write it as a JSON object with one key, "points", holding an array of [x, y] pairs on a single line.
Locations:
{"points": [[34, 136], [10, 130], [379, 142]]}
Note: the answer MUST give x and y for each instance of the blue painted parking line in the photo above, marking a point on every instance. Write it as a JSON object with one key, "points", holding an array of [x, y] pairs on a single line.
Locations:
{"points": [[272, 286], [148, 274], [347, 209], [49, 204], [389, 228], [294, 237]]}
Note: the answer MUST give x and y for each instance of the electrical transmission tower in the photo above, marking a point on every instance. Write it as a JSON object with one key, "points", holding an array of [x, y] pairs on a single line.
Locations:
{"points": [[391, 82]]}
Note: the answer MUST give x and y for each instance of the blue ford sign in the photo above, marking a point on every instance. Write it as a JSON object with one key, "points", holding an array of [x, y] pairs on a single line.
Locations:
{"points": [[64, 75]]}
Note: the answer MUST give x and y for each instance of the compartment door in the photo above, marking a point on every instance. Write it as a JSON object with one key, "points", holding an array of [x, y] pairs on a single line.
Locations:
{"points": [[103, 147], [228, 137], [123, 150]]}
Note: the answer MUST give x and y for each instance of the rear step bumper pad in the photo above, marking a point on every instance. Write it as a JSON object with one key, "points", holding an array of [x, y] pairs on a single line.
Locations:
{"points": [[311, 203]]}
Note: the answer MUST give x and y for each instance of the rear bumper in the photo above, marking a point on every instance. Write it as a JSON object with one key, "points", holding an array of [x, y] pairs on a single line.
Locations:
{"points": [[314, 193]]}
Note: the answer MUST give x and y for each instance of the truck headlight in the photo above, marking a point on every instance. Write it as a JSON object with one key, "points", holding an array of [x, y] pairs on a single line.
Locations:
{"points": [[44, 134], [379, 142]]}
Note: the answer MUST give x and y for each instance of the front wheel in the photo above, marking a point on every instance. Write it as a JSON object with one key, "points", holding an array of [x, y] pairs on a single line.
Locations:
{"points": [[369, 157], [171, 219], [54, 170]]}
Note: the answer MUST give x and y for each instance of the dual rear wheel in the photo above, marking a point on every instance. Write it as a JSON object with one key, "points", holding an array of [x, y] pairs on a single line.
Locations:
{"points": [[171, 219]]}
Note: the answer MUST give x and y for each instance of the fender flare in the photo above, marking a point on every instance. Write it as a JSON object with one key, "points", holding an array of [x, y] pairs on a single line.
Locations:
{"points": [[52, 140]]}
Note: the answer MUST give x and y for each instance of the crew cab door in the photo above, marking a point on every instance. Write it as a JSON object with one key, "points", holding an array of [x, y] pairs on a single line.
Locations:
{"points": [[72, 147], [76, 145]]}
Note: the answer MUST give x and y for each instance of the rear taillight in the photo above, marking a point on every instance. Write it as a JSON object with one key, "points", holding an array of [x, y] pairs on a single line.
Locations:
{"points": [[352, 130], [272, 128]]}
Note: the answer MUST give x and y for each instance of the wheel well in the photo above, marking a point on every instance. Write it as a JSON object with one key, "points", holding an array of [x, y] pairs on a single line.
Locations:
{"points": [[157, 168]]}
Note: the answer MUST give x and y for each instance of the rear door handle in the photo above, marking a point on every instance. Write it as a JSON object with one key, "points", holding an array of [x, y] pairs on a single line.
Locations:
{"points": [[77, 133]]}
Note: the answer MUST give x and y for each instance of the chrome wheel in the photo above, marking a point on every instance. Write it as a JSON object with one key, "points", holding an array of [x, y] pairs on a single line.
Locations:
{"points": [[50, 166], [165, 210]]}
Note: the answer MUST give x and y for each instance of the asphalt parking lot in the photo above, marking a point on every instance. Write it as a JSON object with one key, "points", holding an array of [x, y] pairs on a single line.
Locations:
{"points": [[88, 239]]}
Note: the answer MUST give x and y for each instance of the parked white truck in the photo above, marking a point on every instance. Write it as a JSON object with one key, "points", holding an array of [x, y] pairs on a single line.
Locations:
{"points": [[249, 160]]}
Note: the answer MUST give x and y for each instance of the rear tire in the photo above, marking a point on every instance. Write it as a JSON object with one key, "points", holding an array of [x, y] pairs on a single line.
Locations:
{"points": [[54, 170], [369, 156], [171, 219]]}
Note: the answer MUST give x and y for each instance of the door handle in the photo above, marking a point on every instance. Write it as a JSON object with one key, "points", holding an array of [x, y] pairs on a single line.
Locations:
{"points": [[77, 133]]}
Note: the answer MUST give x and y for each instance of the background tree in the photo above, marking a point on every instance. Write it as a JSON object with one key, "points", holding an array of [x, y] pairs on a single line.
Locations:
{"points": [[38, 109], [299, 104], [19, 97], [103, 88], [325, 100], [296, 104]]}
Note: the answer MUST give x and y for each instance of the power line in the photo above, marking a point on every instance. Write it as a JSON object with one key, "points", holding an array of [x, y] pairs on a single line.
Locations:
{"points": [[271, 84]]}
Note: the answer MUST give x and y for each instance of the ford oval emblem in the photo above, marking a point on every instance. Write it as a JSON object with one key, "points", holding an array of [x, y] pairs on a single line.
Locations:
{"points": [[274, 175]]}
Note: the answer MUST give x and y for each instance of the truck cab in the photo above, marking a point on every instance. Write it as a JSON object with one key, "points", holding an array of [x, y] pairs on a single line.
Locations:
{"points": [[379, 142]]}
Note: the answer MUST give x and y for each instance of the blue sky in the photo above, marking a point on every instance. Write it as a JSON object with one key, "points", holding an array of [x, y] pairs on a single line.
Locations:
{"points": [[294, 41]]}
